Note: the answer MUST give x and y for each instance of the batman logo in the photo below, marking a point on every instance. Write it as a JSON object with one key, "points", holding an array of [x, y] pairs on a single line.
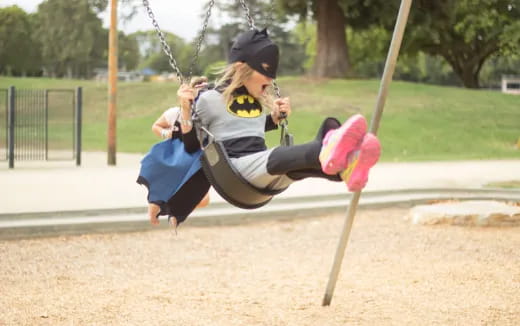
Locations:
{"points": [[245, 106]]}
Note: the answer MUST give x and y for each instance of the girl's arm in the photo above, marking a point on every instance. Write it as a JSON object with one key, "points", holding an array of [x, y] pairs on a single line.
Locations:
{"points": [[162, 128], [189, 135], [186, 96], [280, 105]]}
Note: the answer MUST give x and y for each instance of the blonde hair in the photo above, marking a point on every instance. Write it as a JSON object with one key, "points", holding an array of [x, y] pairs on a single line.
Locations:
{"points": [[233, 76], [197, 80]]}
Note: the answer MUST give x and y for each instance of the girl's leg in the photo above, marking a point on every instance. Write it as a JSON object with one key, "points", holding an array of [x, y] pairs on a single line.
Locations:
{"points": [[327, 125], [301, 161], [154, 208], [338, 143], [188, 197], [346, 150], [153, 213], [205, 201], [312, 173], [360, 161], [284, 159]]}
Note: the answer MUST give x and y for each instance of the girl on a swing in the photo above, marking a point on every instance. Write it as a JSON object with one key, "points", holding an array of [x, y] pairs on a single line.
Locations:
{"points": [[235, 113], [172, 174]]}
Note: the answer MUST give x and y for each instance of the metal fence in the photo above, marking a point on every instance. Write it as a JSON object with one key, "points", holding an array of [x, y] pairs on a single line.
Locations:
{"points": [[3, 125], [40, 124]]}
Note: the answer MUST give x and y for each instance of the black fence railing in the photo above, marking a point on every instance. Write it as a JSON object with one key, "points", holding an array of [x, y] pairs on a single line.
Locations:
{"points": [[40, 124], [3, 124]]}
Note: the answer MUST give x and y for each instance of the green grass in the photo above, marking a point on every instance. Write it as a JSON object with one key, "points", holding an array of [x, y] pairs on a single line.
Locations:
{"points": [[420, 122]]}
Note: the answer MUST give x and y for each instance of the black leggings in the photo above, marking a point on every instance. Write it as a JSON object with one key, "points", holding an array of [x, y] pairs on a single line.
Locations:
{"points": [[302, 161], [297, 162], [187, 198]]}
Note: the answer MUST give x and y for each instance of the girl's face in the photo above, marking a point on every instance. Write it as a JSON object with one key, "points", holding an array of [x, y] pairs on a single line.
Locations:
{"points": [[257, 84]]}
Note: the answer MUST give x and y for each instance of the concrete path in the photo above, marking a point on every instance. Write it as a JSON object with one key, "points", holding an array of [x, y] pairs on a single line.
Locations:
{"points": [[34, 190], [61, 186]]}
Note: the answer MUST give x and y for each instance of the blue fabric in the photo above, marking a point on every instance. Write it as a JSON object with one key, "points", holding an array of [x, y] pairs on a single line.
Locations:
{"points": [[166, 167]]}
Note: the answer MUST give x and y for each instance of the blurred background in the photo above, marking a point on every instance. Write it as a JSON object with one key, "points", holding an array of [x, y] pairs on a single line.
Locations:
{"points": [[448, 101]]}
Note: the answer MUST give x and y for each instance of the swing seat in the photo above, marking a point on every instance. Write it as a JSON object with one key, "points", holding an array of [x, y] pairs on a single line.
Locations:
{"points": [[228, 182]]}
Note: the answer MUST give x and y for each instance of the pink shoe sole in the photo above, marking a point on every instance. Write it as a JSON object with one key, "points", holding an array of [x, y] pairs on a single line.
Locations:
{"points": [[339, 142], [356, 175]]}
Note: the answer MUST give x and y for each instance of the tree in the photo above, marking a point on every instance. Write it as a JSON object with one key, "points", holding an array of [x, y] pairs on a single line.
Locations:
{"points": [[70, 34], [332, 18], [497, 66], [465, 33], [128, 48], [332, 52], [263, 14], [16, 45], [153, 55], [218, 42]]}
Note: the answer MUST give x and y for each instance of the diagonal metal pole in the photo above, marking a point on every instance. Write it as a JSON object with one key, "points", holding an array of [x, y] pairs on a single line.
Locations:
{"points": [[391, 60]]}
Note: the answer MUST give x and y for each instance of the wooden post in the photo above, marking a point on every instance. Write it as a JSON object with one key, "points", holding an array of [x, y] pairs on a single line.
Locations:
{"points": [[78, 122], [388, 72], [112, 84]]}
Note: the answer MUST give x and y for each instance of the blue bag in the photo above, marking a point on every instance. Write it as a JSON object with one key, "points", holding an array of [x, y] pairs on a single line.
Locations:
{"points": [[166, 167]]}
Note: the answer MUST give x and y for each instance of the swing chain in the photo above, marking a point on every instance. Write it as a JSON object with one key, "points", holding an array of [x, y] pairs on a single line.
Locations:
{"points": [[166, 48], [201, 38], [164, 44], [251, 24], [276, 89], [250, 20]]}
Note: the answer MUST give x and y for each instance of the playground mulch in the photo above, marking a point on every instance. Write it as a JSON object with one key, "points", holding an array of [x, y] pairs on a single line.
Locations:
{"points": [[267, 273]]}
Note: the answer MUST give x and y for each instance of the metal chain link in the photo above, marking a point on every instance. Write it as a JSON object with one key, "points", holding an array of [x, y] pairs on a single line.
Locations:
{"points": [[251, 23], [250, 20], [286, 138], [165, 46], [270, 20], [276, 89], [201, 38]]}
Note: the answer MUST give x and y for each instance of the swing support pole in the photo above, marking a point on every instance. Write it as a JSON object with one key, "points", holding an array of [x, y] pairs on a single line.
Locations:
{"points": [[391, 60]]}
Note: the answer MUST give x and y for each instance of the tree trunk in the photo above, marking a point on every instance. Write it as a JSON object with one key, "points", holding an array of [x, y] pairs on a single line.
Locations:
{"points": [[469, 77], [332, 55], [467, 70]]}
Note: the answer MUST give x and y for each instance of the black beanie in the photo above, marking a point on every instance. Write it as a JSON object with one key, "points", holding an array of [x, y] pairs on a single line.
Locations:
{"points": [[256, 49]]}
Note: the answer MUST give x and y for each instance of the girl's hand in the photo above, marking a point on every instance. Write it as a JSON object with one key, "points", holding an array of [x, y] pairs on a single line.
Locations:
{"points": [[281, 105], [186, 96]]}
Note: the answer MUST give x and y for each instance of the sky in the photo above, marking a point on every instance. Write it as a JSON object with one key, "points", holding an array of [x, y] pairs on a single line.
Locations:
{"points": [[181, 17]]}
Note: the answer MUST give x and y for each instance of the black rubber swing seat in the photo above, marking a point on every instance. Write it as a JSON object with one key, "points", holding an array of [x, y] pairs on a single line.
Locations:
{"points": [[228, 182]]}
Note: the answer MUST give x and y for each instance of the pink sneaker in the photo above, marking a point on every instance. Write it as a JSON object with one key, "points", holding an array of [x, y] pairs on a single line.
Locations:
{"points": [[360, 162], [337, 143]]}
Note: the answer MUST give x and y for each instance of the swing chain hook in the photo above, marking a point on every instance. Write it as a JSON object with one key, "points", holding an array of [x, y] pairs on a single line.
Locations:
{"points": [[164, 44]]}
